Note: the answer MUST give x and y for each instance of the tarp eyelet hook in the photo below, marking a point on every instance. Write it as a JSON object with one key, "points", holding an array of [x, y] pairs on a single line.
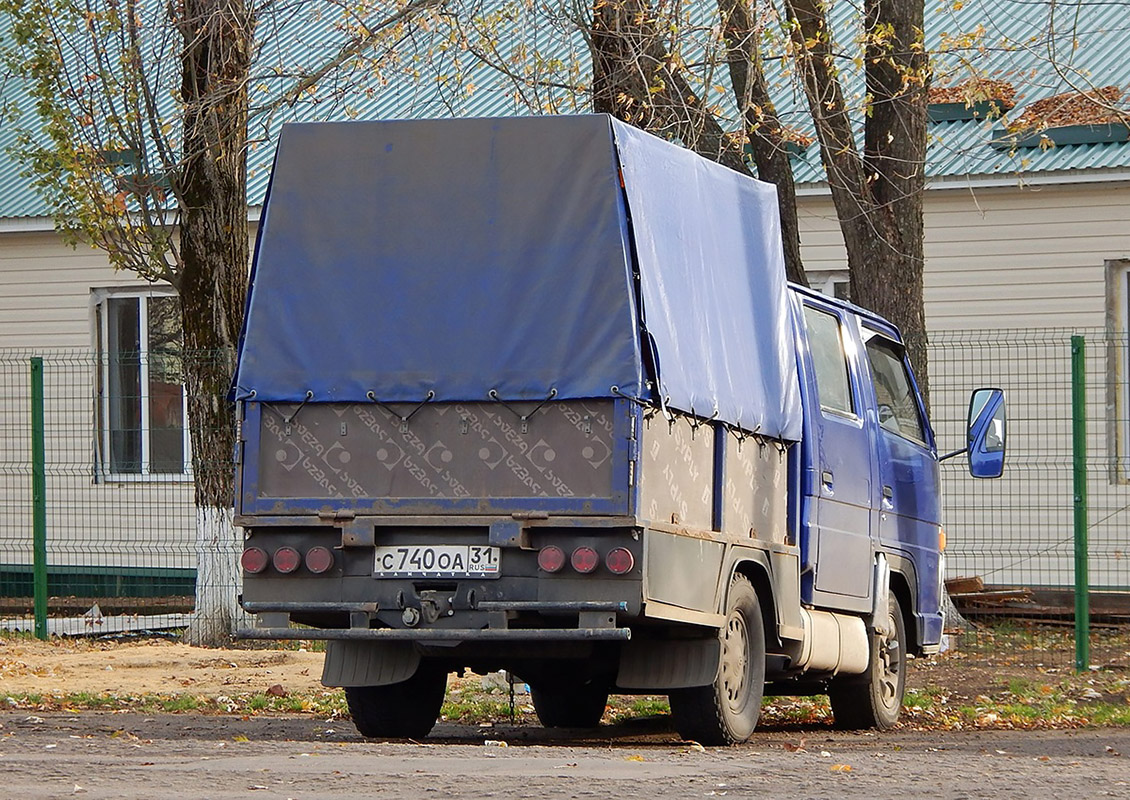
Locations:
{"points": [[371, 395], [523, 418], [294, 414]]}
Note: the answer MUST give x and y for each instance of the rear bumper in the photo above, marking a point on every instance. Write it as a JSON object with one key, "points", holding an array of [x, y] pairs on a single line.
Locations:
{"points": [[596, 622], [442, 635]]}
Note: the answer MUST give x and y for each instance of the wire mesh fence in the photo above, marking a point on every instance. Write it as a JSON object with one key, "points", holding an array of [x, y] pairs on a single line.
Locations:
{"points": [[119, 510], [121, 524], [1015, 537]]}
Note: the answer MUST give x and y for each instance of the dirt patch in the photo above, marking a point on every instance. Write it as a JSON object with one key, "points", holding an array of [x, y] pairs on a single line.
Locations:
{"points": [[150, 667], [1010, 680]]}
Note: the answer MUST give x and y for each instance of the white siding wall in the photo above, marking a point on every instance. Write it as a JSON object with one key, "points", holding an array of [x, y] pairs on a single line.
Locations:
{"points": [[1004, 257], [45, 290], [45, 310], [1011, 259]]}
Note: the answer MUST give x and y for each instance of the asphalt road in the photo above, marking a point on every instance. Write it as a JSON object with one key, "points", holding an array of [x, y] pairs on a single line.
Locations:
{"points": [[116, 755]]}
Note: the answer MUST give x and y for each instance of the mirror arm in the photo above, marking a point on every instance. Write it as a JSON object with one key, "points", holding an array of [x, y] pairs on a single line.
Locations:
{"points": [[954, 453]]}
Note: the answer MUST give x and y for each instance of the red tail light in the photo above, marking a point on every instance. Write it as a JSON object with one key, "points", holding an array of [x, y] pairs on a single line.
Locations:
{"points": [[319, 559], [585, 559], [287, 559], [551, 558], [619, 561], [254, 560]]}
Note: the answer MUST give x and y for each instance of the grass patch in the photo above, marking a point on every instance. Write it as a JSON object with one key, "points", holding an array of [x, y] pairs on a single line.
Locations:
{"points": [[476, 709], [622, 708], [180, 702]]}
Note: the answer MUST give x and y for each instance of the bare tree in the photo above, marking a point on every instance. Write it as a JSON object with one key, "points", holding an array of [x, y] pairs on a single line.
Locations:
{"points": [[138, 140], [878, 191], [657, 64]]}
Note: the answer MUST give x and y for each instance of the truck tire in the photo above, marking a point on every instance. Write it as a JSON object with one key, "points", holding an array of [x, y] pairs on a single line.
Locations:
{"points": [[405, 710], [726, 711], [874, 699], [572, 706]]}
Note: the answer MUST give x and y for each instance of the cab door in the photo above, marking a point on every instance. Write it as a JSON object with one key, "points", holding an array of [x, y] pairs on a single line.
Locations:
{"points": [[908, 474], [839, 486]]}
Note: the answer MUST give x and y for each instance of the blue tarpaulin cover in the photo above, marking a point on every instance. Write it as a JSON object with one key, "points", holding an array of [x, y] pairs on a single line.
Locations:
{"points": [[461, 257]]}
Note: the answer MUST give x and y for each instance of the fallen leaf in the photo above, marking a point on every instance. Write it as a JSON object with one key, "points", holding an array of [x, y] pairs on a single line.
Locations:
{"points": [[1112, 751], [696, 747], [794, 748], [276, 690], [841, 768], [634, 758], [240, 738]]}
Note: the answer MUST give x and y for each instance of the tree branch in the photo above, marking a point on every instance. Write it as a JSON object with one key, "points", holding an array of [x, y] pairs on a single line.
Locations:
{"points": [[348, 51]]}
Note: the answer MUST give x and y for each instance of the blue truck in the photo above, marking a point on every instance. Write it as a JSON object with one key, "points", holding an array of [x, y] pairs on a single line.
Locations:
{"points": [[533, 394]]}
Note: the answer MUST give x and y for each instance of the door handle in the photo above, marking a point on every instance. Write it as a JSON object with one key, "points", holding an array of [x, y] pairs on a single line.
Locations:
{"points": [[826, 479], [888, 497]]}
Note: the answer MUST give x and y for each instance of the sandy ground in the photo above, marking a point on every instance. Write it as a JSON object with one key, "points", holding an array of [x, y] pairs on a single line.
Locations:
{"points": [[151, 667]]}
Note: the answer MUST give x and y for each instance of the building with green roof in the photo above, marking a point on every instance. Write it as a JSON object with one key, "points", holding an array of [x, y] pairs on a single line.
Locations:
{"points": [[1024, 232]]}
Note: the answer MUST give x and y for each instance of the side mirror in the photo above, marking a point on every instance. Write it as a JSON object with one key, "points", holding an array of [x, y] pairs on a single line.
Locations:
{"points": [[986, 433]]}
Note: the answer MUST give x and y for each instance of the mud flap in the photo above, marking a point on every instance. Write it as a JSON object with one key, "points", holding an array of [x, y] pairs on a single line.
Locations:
{"points": [[658, 664], [369, 663]]}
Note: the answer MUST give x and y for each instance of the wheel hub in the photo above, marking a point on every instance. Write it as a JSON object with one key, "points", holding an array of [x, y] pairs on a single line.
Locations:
{"points": [[735, 660], [890, 661]]}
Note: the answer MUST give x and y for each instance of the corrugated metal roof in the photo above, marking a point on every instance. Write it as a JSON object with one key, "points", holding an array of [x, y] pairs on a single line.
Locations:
{"points": [[1011, 39]]}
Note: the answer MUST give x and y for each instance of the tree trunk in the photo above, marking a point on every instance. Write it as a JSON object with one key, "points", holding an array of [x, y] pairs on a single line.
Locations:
{"points": [[212, 191], [878, 195], [635, 80], [897, 75]]}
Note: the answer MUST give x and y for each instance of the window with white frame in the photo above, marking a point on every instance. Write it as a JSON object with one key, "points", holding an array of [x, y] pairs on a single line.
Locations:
{"points": [[832, 284], [141, 404]]}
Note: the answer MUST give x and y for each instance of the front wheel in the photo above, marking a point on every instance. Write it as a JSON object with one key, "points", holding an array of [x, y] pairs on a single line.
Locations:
{"points": [[726, 711], [874, 699], [405, 710]]}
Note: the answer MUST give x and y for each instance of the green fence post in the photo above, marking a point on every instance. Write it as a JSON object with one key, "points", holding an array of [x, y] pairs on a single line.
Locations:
{"points": [[38, 499], [1079, 464]]}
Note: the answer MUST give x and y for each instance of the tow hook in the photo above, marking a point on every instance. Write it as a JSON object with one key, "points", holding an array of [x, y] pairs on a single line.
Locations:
{"points": [[434, 605], [426, 608]]}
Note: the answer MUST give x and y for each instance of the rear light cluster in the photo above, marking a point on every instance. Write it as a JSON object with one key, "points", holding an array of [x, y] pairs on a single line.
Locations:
{"points": [[618, 561], [286, 560]]}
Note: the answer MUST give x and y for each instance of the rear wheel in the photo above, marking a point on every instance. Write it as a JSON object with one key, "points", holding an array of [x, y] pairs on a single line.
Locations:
{"points": [[405, 710], [726, 711], [874, 699], [572, 706]]}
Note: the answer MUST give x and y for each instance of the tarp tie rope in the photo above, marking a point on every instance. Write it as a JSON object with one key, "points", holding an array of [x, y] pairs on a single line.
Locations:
{"points": [[697, 422], [523, 418], [289, 420], [371, 395], [642, 403], [741, 436]]}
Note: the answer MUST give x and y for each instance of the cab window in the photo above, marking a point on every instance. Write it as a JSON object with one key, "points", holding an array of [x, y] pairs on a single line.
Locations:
{"points": [[829, 362], [895, 397]]}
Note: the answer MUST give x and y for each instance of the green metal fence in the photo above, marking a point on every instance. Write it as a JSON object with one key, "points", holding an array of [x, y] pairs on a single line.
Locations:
{"points": [[101, 538], [111, 513], [1052, 536]]}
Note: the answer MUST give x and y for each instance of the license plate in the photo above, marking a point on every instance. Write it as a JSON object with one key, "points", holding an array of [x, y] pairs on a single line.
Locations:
{"points": [[437, 561]]}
